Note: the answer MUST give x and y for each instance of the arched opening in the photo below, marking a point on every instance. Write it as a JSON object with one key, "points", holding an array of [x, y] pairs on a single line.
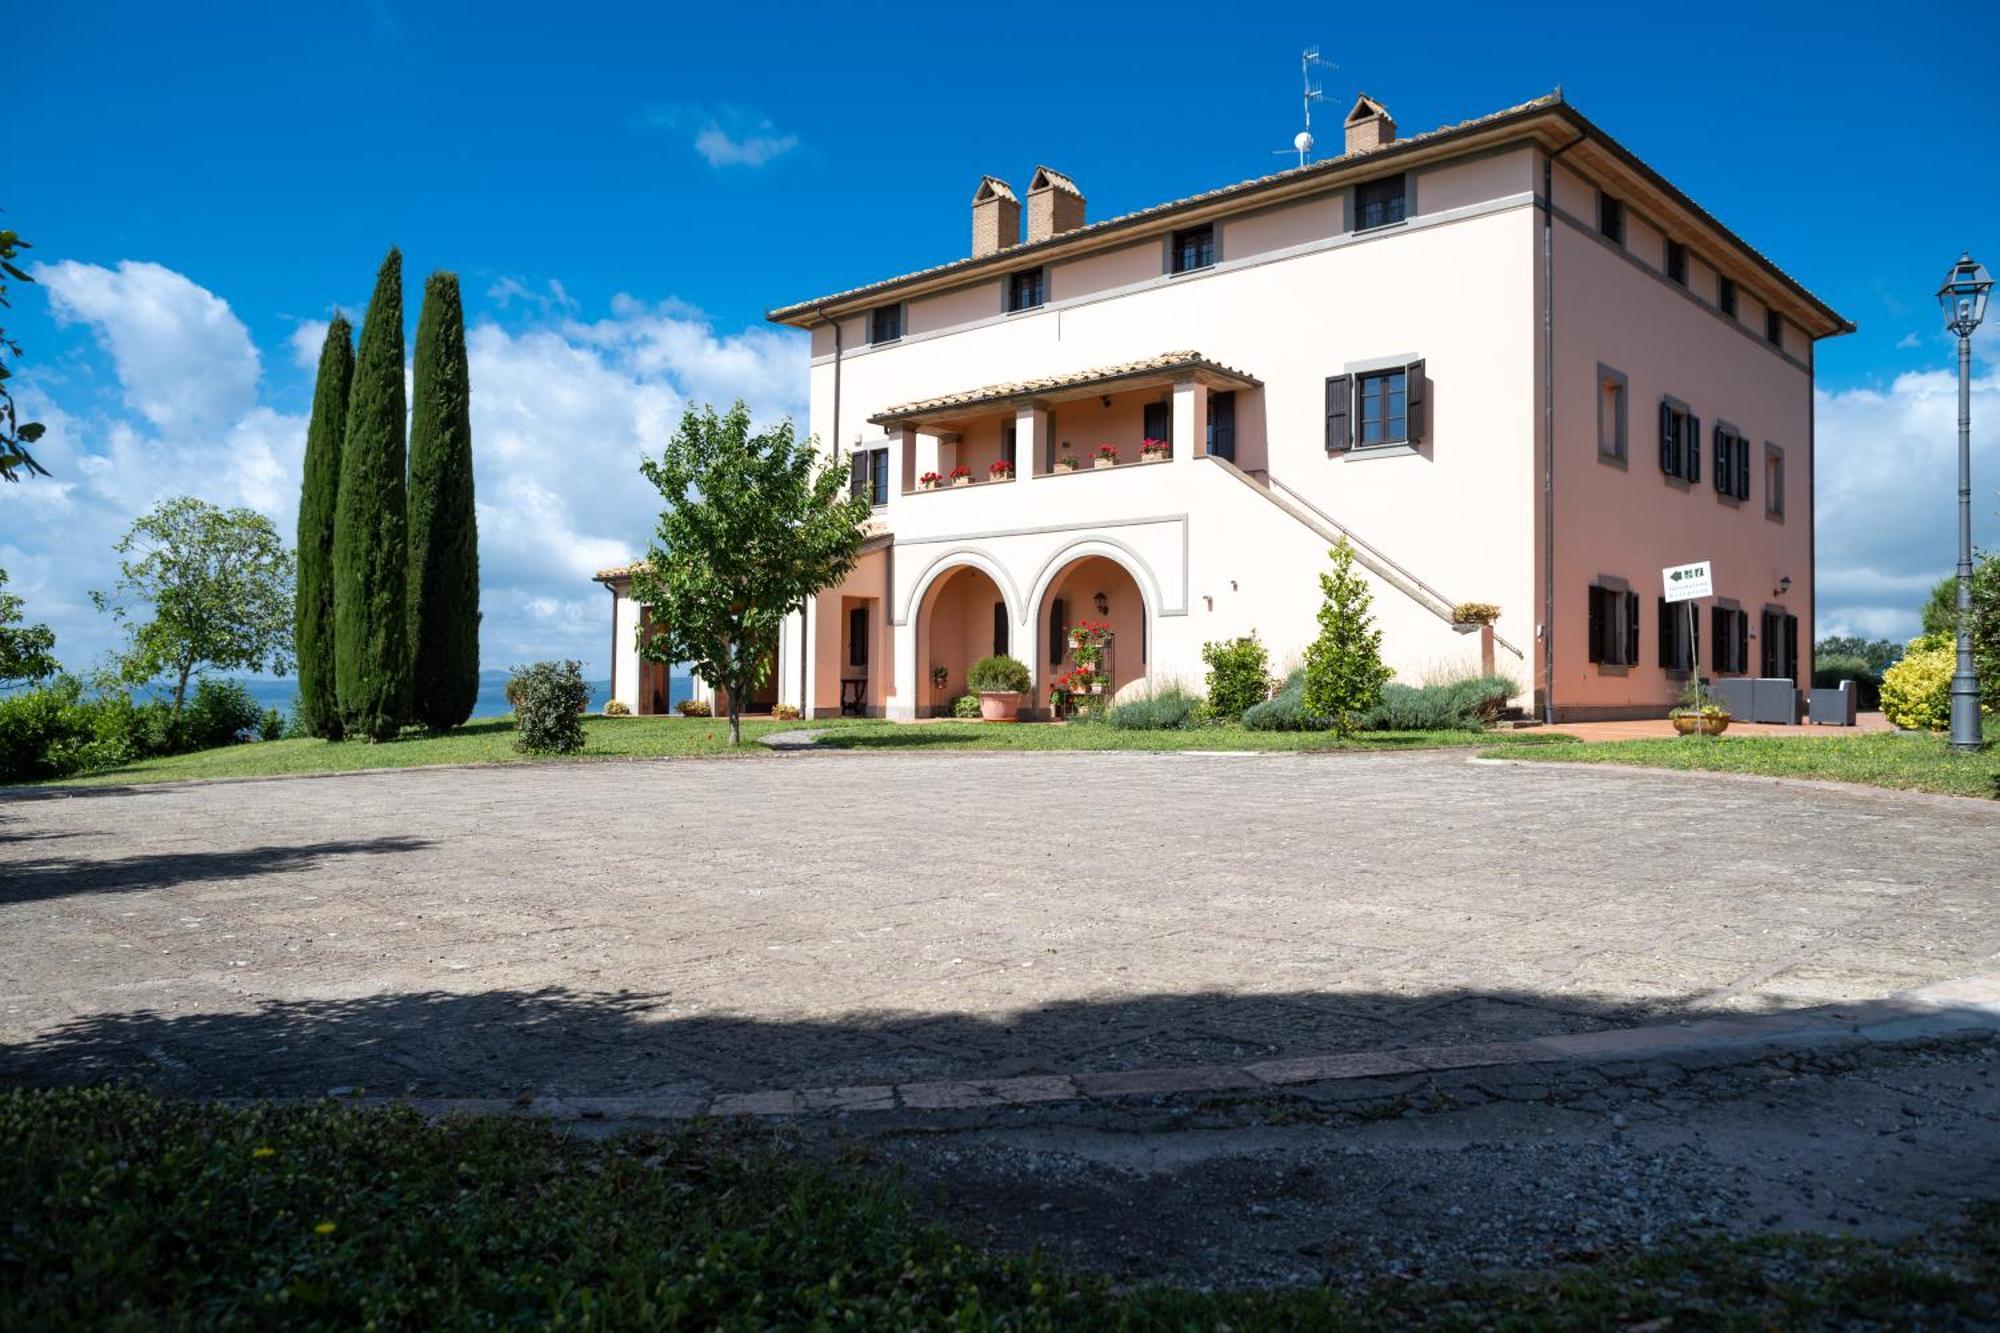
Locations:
{"points": [[1097, 590], [963, 618]]}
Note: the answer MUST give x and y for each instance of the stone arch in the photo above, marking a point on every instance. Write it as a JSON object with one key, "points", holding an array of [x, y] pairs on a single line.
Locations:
{"points": [[1073, 576]]}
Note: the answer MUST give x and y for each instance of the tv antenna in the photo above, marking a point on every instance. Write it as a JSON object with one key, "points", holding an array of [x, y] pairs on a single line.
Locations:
{"points": [[1310, 66]]}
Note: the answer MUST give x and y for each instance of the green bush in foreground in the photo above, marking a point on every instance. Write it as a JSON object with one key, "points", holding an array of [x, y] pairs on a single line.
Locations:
{"points": [[999, 674], [1238, 675], [549, 699], [1916, 691], [1459, 705], [128, 1212], [965, 706], [1169, 708]]}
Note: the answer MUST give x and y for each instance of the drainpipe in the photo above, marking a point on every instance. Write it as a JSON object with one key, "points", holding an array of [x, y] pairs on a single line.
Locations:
{"points": [[1548, 203]]}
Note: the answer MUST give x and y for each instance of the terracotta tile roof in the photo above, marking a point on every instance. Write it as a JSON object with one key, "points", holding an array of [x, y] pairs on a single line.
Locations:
{"points": [[874, 538], [1164, 363], [805, 312], [617, 572]]}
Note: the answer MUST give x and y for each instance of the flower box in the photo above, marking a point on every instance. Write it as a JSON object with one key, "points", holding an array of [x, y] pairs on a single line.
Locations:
{"points": [[1106, 456], [1103, 462], [1066, 465], [929, 481], [1000, 471], [1154, 451]]}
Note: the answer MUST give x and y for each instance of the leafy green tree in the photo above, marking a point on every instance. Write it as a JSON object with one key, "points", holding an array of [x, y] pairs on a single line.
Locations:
{"points": [[319, 702], [1344, 672], [444, 532], [1940, 614], [27, 652], [1941, 618], [1874, 654], [755, 524], [371, 650], [198, 588], [15, 435]]}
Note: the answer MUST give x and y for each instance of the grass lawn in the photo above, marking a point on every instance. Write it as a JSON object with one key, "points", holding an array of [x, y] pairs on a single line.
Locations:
{"points": [[125, 1212], [1912, 763], [491, 741], [1097, 736]]}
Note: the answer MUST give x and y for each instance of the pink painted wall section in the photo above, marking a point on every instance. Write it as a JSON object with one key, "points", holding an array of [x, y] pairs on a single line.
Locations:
{"points": [[1461, 184], [1281, 228], [1632, 521]]}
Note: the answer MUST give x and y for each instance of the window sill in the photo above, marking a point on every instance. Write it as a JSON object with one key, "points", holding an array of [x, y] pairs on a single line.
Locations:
{"points": [[1199, 268], [1612, 669], [1364, 451], [1725, 498], [1613, 460], [1775, 516], [1382, 226], [1026, 309]]}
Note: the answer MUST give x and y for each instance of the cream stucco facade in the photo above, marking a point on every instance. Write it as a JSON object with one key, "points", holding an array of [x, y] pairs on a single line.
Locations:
{"points": [[1413, 346]]}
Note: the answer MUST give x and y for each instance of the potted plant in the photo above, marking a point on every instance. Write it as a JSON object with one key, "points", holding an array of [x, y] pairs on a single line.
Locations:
{"points": [[1000, 470], [1154, 451], [999, 681], [1106, 456], [961, 475], [929, 481], [1477, 618], [1067, 463], [1697, 715], [938, 678]]}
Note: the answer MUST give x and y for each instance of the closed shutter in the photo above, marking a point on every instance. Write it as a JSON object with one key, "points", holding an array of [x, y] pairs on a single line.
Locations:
{"points": [[857, 474], [1791, 648], [1725, 475], [1339, 404], [1693, 473], [1414, 402], [1667, 634], [999, 628], [1767, 656], [1718, 634], [1669, 442], [1058, 631], [1742, 469], [1597, 619], [1631, 657]]}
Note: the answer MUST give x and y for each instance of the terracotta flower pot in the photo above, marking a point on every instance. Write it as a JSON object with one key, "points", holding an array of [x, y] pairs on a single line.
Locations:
{"points": [[998, 705], [1707, 726]]}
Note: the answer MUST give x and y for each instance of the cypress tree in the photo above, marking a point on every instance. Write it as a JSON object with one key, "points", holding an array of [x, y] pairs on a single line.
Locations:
{"points": [[444, 534], [319, 707], [370, 550]]}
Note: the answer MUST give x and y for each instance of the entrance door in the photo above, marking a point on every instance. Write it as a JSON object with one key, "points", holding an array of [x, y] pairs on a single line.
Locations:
{"points": [[1222, 425]]}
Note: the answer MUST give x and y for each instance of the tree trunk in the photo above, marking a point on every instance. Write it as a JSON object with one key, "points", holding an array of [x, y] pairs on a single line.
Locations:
{"points": [[181, 689]]}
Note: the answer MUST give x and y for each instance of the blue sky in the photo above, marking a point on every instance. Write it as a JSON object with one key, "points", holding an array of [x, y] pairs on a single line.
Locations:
{"points": [[625, 191]]}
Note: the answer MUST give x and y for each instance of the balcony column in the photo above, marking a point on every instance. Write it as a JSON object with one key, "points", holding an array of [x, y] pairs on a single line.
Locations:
{"points": [[926, 455], [903, 462], [1031, 439], [1190, 419]]}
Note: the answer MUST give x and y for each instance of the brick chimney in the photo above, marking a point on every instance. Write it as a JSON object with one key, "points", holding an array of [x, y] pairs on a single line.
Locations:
{"points": [[996, 217], [1368, 125], [1055, 205]]}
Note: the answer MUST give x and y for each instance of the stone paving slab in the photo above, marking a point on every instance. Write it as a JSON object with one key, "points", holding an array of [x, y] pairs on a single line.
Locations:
{"points": [[833, 922]]}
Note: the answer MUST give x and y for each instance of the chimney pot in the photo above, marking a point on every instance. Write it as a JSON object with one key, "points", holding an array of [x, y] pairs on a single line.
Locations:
{"points": [[996, 217], [1368, 125], [1055, 205]]}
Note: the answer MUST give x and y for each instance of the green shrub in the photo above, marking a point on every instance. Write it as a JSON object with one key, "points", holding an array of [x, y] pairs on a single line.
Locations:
{"points": [[966, 706], [549, 699], [1916, 691], [1238, 675], [271, 727], [1344, 672], [1169, 708], [221, 712], [1286, 710], [1459, 705], [44, 731], [616, 708], [998, 673], [694, 708]]}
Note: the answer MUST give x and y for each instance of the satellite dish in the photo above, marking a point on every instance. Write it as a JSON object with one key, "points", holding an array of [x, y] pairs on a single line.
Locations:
{"points": [[1303, 142]]}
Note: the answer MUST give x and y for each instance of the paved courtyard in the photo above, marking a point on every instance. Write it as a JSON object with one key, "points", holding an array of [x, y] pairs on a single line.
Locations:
{"points": [[632, 928]]}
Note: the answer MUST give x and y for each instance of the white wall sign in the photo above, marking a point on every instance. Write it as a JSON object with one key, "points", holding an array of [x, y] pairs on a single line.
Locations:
{"points": [[1687, 582]]}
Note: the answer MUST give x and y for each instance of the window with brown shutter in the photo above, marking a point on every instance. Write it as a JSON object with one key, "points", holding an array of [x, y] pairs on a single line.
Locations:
{"points": [[1339, 405]]}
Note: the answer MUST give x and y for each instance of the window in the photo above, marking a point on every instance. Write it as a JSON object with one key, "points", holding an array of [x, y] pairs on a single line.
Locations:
{"points": [[1193, 248], [1611, 417], [1677, 263], [1680, 636], [1774, 480], [1377, 408], [1007, 436], [1725, 296], [1611, 218], [1774, 328], [857, 636], [885, 324], [1222, 424], [1025, 291], [1614, 625], [1729, 631], [1156, 421], [868, 474], [1780, 655], [1384, 407], [1732, 463], [1680, 441], [1379, 203], [999, 629]]}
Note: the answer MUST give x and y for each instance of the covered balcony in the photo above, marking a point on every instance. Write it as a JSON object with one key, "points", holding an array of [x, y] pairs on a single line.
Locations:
{"points": [[1168, 408]]}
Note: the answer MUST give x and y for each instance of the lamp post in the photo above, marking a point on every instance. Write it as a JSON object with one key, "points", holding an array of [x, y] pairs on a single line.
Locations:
{"points": [[1963, 299]]}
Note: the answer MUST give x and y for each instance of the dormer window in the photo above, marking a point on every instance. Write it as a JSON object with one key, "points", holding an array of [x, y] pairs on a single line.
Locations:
{"points": [[1379, 203], [1025, 291], [1677, 263], [1193, 248], [1611, 219], [885, 324]]}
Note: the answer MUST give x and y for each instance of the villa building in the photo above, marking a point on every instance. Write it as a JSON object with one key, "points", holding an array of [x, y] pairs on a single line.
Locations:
{"points": [[1506, 360]]}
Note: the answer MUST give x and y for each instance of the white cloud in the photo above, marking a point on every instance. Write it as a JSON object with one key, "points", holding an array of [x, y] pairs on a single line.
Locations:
{"points": [[306, 341], [562, 412], [1888, 495], [185, 361], [725, 136], [553, 296], [1908, 341]]}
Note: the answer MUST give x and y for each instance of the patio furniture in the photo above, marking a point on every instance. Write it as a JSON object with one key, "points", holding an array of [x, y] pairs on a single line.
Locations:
{"points": [[853, 696], [1759, 698], [1838, 707]]}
